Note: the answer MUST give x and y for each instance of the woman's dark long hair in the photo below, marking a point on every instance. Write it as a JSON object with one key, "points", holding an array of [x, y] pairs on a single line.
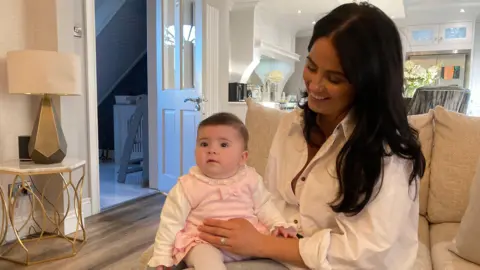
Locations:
{"points": [[370, 51]]}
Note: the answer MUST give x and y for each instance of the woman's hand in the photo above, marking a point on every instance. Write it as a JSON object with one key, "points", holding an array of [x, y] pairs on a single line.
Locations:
{"points": [[237, 236]]}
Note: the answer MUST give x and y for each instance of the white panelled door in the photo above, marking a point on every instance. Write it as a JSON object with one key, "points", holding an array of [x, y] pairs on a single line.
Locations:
{"points": [[180, 94]]}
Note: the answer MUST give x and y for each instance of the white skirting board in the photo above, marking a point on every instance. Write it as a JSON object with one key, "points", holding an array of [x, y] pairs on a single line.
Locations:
{"points": [[69, 224]]}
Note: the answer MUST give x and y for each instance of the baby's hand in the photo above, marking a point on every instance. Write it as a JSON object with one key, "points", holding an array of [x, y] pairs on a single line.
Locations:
{"points": [[161, 267], [289, 232]]}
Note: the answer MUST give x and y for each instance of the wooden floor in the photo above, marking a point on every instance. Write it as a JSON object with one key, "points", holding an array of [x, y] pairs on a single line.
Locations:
{"points": [[115, 238]]}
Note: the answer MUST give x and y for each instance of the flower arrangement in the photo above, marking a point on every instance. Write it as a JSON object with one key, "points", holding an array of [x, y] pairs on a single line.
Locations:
{"points": [[416, 76], [275, 76]]}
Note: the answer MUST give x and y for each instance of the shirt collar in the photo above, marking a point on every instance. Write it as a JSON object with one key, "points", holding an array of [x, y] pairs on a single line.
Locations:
{"points": [[198, 174], [345, 127]]}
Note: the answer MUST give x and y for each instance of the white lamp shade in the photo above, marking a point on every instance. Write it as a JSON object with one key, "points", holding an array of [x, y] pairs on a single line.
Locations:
{"points": [[43, 72]]}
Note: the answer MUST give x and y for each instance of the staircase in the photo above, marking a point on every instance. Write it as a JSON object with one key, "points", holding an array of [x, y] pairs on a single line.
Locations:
{"points": [[137, 135], [135, 83], [121, 29], [104, 12], [121, 42]]}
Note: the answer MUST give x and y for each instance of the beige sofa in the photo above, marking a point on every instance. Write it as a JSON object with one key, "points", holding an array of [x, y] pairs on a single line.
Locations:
{"points": [[451, 145], [450, 142]]}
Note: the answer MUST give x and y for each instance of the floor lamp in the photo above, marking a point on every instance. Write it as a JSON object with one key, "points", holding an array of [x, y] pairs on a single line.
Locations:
{"points": [[45, 73]]}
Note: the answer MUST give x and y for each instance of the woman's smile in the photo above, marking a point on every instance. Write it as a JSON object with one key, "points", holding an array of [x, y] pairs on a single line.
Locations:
{"points": [[319, 97]]}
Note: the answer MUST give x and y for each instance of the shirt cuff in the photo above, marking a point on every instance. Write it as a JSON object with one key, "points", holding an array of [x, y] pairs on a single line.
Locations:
{"points": [[284, 225], [314, 250], [157, 261]]}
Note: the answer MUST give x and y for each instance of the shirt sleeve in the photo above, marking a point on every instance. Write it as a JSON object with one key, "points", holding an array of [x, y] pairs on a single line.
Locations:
{"points": [[265, 209], [172, 220], [365, 241]]}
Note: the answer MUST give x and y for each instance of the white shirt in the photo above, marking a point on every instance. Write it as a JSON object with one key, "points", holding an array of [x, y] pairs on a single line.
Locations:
{"points": [[382, 236]]}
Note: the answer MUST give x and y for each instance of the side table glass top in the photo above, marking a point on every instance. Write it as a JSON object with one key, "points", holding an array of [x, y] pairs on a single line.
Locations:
{"points": [[28, 167]]}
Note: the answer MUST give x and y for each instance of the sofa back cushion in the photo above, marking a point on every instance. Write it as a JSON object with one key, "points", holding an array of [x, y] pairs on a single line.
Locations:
{"points": [[262, 123], [466, 244], [456, 149], [423, 123]]}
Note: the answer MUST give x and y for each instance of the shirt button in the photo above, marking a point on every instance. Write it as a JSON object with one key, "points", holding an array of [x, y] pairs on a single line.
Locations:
{"points": [[303, 178], [295, 221]]}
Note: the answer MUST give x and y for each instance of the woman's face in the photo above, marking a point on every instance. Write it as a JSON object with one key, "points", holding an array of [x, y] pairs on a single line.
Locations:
{"points": [[329, 92]]}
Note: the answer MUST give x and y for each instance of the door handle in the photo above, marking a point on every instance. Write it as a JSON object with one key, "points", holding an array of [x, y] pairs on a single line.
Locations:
{"points": [[198, 101]]}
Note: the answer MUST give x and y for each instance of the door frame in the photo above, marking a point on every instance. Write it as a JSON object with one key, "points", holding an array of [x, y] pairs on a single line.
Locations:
{"points": [[93, 162], [210, 86]]}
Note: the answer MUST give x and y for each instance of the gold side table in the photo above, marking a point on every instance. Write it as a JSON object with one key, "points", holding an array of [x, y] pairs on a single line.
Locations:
{"points": [[54, 198]]}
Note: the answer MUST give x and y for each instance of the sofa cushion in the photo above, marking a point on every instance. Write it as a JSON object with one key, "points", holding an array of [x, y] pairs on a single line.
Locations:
{"points": [[454, 158], [262, 123], [424, 261], [423, 123], [467, 244], [441, 236]]}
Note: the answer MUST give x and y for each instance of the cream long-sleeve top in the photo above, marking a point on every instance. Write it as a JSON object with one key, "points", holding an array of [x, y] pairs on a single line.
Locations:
{"points": [[383, 236], [196, 197]]}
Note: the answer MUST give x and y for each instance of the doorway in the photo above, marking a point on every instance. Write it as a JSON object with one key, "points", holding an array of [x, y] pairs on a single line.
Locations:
{"points": [[179, 92], [122, 76]]}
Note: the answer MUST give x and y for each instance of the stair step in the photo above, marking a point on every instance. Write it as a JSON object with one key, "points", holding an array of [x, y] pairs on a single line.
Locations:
{"points": [[133, 169], [136, 161]]}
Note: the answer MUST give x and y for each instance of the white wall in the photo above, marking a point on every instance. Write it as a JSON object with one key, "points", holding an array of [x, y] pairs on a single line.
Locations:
{"points": [[295, 83], [272, 29], [250, 24], [224, 54], [241, 40], [16, 111]]}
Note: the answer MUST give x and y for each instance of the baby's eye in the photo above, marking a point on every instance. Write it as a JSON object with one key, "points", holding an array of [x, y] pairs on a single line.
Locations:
{"points": [[224, 145], [203, 144]]}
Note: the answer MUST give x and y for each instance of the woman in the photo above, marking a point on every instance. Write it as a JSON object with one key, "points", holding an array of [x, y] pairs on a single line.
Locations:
{"points": [[345, 169]]}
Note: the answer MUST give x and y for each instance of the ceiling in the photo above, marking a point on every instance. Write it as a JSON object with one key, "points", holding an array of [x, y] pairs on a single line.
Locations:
{"points": [[300, 14]]}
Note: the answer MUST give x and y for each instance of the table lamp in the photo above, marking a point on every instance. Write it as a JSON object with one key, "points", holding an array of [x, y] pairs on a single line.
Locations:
{"points": [[45, 73]]}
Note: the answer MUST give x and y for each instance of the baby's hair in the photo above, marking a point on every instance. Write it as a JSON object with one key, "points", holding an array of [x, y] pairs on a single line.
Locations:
{"points": [[227, 119]]}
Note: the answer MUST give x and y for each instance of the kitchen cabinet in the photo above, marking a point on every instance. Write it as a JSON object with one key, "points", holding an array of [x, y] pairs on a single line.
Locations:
{"points": [[456, 33], [440, 36], [423, 35]]}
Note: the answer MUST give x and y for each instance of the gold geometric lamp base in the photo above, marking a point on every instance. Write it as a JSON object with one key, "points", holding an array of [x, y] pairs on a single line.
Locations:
{"points": [[47, 144]]}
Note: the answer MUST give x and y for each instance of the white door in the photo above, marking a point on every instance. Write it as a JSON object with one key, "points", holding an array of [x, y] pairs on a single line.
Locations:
{"points": [[177, 86]]}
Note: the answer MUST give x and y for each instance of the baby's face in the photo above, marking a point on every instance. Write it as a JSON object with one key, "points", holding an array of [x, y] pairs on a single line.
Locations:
{"points": [[220, 151]]}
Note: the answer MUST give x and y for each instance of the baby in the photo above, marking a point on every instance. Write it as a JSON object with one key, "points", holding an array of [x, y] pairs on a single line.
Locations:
{"points": [[220, 186]]}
